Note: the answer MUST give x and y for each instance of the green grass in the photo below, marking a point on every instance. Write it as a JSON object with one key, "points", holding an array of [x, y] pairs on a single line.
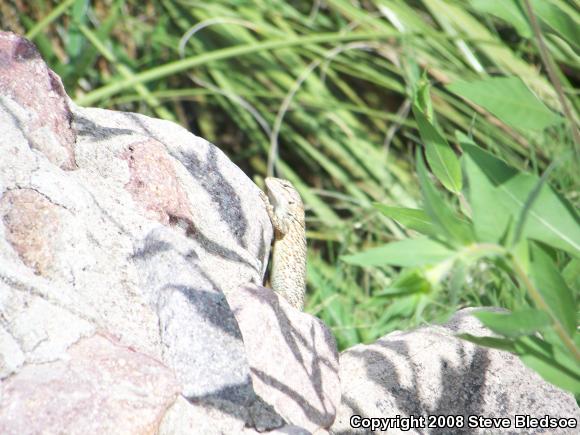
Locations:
{"points": [[320, 92]]}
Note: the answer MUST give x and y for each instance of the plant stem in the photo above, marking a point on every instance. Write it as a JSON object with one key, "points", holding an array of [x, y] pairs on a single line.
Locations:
{"points": [[541, 303]]}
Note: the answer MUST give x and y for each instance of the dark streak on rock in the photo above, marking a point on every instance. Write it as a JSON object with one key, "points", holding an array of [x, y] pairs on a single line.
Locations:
{"points": [[85, 127], [221, 191]]}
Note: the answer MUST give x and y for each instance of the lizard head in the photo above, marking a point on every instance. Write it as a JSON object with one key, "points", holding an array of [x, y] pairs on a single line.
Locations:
{"points": [[282, 194]]}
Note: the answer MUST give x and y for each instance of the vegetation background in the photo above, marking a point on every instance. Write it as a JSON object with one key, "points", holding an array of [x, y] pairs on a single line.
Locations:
{"points": [[343, 97]]}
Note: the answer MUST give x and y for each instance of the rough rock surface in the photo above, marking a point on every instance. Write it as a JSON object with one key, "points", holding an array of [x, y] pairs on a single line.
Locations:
{"points": [[100, 388], [429, 371], [292, 356], [122, 226]]}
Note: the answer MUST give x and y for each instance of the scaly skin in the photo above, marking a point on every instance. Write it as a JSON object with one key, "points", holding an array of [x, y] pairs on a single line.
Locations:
{"points": [[286, 211]]}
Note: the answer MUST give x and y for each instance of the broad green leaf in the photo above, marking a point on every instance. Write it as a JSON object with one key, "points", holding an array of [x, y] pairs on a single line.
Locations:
{"points": [[493, 342], [550, 362], [551, 219], [455, 229], [441, 157], [553, 289], [411, 218], [507, 10], [521, 322], [405, 253], [490, 219], [408, 282], [559, 21], [510, 100]]}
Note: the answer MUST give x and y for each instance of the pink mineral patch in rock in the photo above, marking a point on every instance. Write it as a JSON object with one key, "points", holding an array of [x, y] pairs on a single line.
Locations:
{"points": [[25, 78], [32, 225], [102, 388], [292, 355], [154, 183]]}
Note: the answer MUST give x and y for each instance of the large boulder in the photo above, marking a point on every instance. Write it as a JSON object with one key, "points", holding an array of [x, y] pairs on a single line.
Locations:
{"points": [[121, 239], [430, 372]]}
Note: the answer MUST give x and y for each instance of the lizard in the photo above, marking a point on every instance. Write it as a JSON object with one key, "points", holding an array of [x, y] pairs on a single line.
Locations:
{"points": [[286, 212]]}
